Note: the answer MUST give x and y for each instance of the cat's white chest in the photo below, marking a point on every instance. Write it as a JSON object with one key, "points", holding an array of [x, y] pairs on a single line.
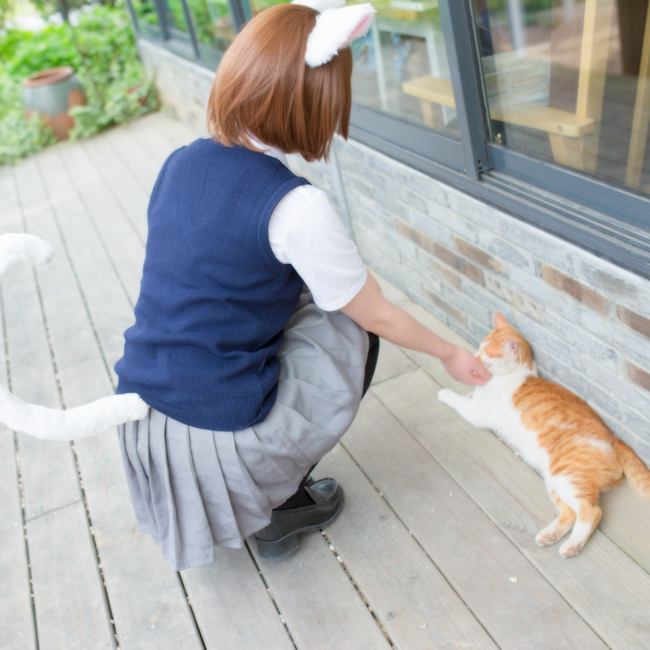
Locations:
{"points": [[495, 401]]}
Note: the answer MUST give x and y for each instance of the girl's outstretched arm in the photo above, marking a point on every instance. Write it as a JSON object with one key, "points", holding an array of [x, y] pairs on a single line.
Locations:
{"points": [[374, 313]]}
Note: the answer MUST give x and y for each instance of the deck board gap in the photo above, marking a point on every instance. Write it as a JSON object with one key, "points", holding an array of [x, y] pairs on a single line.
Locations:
{"points": [[192, 614], [80, 485], [270, 594], [116, 198], [99, 235], [83, 297], [355, 584], [417, 541], [93, 543], [19, 477]]}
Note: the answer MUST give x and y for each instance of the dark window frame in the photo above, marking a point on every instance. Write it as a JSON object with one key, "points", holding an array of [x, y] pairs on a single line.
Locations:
{"points": [[601, 217]]}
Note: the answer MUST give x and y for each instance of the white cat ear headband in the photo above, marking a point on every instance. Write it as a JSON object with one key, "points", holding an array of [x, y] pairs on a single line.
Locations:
{"points": [[336, 27]]}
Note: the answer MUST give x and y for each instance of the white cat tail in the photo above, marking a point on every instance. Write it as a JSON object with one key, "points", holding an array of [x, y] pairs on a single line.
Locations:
{"points": [[635, 471], [17, 249], [335, 29]]}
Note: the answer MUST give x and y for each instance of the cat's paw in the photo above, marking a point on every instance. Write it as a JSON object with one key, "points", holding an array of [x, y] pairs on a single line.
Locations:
{"points": [[569, 550], [446, 396], [546, 537]]}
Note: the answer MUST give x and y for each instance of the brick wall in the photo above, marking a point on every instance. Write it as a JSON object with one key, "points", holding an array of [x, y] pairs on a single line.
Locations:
{"points": [[587, 320]]}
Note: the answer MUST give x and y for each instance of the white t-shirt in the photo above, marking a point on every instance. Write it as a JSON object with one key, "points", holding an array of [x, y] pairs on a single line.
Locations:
{"points": [[306, 232]]}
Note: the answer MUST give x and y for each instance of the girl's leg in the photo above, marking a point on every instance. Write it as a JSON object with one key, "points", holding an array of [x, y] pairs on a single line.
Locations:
{"points": [[301, 497]]}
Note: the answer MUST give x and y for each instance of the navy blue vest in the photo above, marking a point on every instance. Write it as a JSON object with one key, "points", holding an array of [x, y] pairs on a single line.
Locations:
{"points": [[214, 300]]}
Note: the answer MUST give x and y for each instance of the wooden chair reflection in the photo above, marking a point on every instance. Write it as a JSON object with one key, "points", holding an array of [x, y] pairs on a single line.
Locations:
{"points": [[573, 136]]}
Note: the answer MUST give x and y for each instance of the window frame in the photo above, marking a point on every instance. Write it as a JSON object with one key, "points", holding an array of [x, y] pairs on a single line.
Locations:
{"points": [[606, 219]]}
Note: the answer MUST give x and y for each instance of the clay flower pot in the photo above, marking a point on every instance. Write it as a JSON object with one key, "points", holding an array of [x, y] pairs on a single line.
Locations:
{"points": [[51, 93]]}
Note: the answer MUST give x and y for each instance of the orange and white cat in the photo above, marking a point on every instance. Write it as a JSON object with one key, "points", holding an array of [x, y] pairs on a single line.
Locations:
{"points": [[555, 432]]}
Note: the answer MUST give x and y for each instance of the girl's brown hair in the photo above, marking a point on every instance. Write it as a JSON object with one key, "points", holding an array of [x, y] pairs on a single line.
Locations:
{"points": [[264, 89]]}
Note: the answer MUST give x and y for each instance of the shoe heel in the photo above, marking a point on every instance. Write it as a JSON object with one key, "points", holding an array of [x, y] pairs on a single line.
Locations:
{"points": [[277, 549]]}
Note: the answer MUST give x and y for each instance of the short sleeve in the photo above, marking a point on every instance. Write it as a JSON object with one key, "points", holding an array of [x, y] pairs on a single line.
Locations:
{"points": [[306, 232]]}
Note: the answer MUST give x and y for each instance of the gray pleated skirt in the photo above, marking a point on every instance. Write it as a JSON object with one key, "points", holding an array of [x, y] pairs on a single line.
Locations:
{"points": [[194, 489]]}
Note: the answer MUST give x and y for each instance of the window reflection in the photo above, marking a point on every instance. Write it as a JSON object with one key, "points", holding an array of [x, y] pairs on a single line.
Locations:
{"points": [[566, 80], [400, 67]]}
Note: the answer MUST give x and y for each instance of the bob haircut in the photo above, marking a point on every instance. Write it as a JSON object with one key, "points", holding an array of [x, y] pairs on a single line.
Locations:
{"points": [[264, 88]]}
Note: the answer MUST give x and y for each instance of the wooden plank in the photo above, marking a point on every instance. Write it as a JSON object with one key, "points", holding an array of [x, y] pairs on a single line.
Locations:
{"points": [[608, 589], [319, 604], [147, 601], [476, 558], [541, 118], [594, 54], [231, 604], [122, 243], [48, 468], [104, 296], [410, 597], [70, 610], [154, 140], [118, 178], [392, 361], [641, 119], [133, 155], [17, 629]]}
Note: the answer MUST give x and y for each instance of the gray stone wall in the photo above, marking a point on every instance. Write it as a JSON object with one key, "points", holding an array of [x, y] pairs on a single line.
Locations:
{"points": [[587, 320]]}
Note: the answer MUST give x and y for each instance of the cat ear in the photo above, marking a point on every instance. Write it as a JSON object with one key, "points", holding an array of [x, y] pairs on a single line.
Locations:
{"points": [[334, 29], [511, 347], [499, 321], [320, 5]]}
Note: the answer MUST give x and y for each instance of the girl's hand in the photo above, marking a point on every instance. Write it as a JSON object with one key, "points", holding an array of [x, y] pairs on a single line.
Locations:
{"points": [[463, 366]]}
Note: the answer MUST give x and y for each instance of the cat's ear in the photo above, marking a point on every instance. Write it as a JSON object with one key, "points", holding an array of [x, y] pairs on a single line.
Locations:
{"points": [[511, 347], [500, 321]]}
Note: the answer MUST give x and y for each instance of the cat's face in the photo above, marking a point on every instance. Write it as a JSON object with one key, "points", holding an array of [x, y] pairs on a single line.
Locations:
{"points": [[504, 349]]}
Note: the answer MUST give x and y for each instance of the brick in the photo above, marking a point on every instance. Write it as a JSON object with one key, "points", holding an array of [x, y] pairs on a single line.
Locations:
{"points": [[488, 301], [633, 320], [468, 305], [426, 187], [595, 348], [475, 211], [635, 432], [477, 255], [499, 288], [540, 336], [442, 271], [458, 225], [463, 266], [505, 251], [535, 288], [624, 286], [575, 289], [424, 223], [637, 375], [417, 237], [528, 307], [452, 312], [478, 331], [540, 244]]}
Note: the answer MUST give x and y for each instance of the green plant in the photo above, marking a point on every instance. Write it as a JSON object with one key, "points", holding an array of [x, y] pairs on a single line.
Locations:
{"points": [[103, 53], [19, 135], [6, 10], [116, 83]]}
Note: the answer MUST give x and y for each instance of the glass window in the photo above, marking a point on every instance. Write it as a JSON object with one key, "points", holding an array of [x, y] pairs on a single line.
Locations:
{"points": [[401, 67], [213, 23], [253, 7], [145, 14], [567, 81]]}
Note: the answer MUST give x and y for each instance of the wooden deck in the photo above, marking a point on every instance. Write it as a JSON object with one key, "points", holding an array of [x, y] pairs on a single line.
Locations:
{"points": [[434, 548]]}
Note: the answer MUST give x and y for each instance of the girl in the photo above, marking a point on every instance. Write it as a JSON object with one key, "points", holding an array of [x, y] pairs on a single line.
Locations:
{"points": [[246, 378]]}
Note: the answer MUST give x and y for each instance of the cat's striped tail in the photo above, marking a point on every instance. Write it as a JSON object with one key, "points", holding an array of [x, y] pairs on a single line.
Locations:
{"points": [[52, 424], [635, 471]]}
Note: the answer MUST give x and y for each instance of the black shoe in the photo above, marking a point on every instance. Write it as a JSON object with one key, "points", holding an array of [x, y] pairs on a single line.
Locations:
{"points": [[280, 537]]}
